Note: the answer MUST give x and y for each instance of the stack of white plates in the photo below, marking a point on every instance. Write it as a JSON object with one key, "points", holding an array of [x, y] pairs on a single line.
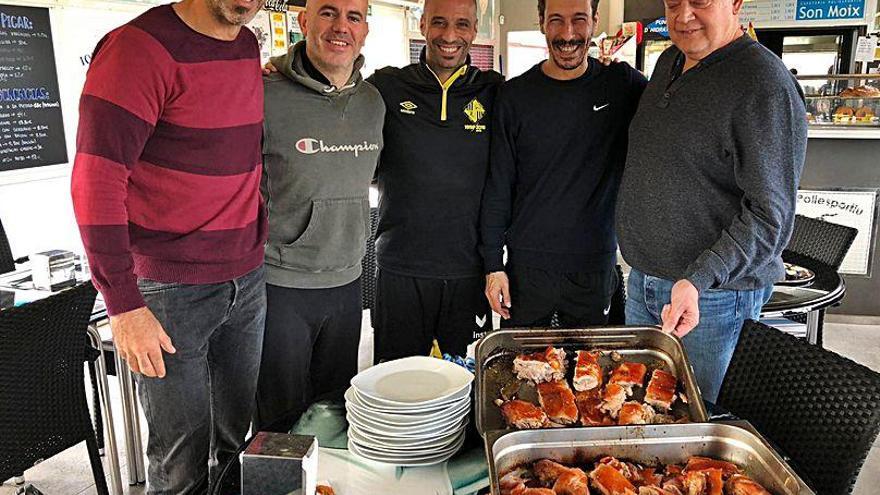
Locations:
{"points": [[409, 412]]}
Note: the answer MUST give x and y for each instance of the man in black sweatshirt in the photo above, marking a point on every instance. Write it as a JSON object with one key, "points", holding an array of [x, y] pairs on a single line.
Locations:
{"points": [[430, 177], [559, 141]]}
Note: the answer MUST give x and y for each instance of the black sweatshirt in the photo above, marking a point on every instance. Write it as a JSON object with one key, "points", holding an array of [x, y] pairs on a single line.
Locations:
{"points": [[558, 150], [711, 179], [432, 169]]}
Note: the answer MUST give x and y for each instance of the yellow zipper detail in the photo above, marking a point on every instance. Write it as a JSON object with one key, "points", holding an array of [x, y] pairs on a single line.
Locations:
{"points": [[445, 87]]}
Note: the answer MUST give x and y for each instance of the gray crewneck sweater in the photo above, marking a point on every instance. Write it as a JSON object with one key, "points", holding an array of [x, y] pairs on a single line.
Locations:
{"points": [[321, 145], [715, 158]]}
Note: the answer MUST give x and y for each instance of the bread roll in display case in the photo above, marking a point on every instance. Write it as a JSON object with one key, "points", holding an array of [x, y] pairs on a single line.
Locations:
{"points": [[843, 106]]}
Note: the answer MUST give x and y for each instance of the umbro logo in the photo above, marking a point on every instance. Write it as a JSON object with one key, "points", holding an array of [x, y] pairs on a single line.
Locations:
{"points": [[408, 107]]}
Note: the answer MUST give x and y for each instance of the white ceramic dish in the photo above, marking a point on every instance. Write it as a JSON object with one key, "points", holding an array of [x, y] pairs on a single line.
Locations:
{"points": [[394, 419], [352, 395], [428, 431], [409, 463], [429, 445], [414, 380], [391, 406], [405, 460], [380, 422]]}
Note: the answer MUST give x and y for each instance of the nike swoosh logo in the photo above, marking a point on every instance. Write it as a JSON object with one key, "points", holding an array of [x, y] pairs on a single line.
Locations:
{"points": [[597, 108], [606, 310], [481, 321]]}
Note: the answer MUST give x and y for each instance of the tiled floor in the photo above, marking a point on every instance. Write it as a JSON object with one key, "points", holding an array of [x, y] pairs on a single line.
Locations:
{"points": [[69, 473]]}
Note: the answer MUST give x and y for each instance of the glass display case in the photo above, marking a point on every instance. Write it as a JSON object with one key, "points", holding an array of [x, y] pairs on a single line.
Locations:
{"points": [[845, 105]]}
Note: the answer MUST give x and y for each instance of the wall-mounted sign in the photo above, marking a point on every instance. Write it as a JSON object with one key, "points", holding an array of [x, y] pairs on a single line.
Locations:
{"points": [[790, 13], [658, 27], [276, 5], [31, 126], [854, 208]]}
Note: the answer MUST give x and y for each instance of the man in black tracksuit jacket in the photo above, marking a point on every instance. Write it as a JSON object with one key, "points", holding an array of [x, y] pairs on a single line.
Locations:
{"points": [[431, 175], [559, 143]]}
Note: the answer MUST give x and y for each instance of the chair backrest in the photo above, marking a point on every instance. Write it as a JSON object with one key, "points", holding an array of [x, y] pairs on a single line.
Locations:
{"points": [[820, 240], [7, 262], [368, 264], [43, 408], [821, 409]]}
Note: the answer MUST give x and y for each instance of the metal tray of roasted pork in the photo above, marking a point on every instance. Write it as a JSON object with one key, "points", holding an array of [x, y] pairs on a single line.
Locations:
{"points": [[495, 378], [649, 445]]}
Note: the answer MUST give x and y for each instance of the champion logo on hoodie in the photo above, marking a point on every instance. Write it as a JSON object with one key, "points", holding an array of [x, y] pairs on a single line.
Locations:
{"points": [[310, 146]]}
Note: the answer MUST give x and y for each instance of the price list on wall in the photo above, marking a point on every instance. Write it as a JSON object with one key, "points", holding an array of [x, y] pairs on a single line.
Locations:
{"points": [[31, 126], [770, 13]]}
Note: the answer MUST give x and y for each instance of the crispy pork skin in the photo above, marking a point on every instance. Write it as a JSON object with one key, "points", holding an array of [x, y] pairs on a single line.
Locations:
{"points": [[558, 403], [587, 371], [538, 367], [523, 415]]}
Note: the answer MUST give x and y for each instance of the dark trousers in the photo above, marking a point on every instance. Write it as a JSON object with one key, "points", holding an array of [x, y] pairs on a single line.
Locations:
{"points": [[411, 312], [310, 350], [199, 413], [579, 299]]}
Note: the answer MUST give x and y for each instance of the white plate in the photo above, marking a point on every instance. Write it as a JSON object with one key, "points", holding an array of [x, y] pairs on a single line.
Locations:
{"points": [[418, 408], [430, 445], [352, 395], [405, 460], [407, 432], [407, 420], [423, 432], [414, 380], [382, 422]]}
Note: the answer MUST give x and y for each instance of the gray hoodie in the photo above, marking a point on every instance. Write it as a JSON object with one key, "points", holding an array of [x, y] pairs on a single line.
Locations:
{"points": [[321, 145]]}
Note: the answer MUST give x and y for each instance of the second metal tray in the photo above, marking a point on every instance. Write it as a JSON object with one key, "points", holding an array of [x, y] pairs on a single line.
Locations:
{"points": [[650, 445], [648, 345]]}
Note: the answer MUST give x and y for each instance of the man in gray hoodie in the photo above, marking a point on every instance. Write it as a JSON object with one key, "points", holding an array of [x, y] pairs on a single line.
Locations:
{"points": [[321, 143]]}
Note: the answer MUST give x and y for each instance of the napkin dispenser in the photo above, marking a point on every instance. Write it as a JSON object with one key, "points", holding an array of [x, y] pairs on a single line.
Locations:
{"points": [[280, 464], [53, 270]]}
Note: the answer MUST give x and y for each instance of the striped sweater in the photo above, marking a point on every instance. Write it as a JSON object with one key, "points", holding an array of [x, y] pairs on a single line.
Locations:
{"points": [[166, 178]]}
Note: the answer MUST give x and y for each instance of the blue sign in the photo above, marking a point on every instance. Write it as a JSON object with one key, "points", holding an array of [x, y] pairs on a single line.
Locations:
{"points": [[658, 27], [829, 10]]}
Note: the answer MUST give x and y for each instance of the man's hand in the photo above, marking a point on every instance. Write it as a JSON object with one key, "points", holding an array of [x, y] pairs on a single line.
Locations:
{"points": [[498, 293], [269, 68], [140, 340], [682, 313]]}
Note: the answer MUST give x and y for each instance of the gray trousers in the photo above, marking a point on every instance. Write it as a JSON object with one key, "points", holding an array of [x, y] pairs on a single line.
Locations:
{"points": [[199, 414]]}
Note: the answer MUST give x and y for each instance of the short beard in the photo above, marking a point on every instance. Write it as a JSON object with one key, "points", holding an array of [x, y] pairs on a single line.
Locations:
{"points": [[237, 16], [559, 44]]}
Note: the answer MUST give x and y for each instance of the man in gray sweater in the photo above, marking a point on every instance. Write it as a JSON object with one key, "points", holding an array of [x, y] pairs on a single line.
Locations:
{"points": [[321, 142], [708, 196]]}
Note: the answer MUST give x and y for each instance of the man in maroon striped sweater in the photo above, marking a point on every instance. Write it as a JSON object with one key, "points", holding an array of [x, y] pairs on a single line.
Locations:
{"points": [[166, 193]]}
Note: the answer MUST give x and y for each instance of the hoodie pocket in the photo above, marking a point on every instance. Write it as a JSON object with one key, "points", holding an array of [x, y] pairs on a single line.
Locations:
{"points": [[335, 238]]}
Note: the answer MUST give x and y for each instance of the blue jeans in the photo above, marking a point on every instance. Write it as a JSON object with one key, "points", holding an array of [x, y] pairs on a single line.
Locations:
{"points": [[710, 345], [200, 412]]}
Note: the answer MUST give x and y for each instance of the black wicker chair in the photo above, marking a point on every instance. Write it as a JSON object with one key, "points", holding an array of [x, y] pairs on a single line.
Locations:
{"points": [[821, 409], [368, 277], [818, 242], [43, 408]]}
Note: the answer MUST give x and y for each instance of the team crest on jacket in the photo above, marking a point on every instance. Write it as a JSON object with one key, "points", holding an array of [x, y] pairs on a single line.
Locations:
{"points": [[475, 112]]}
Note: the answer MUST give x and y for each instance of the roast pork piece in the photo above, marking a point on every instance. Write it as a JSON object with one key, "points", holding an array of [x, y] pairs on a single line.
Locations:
{"points": [[587, 372], [661, 390], [523, 415], [609, 481], [629, 375], [557, 400], [539, 367], [635, 413]]}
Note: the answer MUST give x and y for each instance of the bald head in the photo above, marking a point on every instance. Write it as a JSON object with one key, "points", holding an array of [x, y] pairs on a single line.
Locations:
{"points": [[335, 32]]}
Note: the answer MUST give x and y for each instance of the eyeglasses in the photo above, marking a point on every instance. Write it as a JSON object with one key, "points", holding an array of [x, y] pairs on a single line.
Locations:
{"points": [[696, 4]]}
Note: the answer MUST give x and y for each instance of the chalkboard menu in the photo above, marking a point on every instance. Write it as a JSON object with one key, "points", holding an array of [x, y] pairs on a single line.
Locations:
{"points": [[31, 127]]}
